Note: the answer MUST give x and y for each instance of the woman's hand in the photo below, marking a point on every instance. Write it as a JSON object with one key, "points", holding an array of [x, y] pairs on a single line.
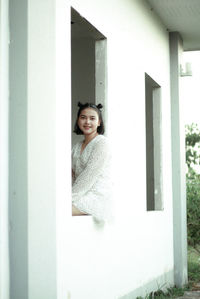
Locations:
{"points": [[76, 212]]}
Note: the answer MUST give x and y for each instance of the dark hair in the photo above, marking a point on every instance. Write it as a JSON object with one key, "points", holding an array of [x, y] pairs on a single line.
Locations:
{"points": [[97, 108]]}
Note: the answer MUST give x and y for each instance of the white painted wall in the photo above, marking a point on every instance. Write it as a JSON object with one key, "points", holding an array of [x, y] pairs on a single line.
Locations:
{"points": [[72, 256], [40, 138], [137, 249], [41, 150], [4, 106]]}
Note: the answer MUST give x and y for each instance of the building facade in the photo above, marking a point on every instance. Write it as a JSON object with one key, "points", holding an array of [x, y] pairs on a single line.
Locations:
{"points": [[53, 54]]}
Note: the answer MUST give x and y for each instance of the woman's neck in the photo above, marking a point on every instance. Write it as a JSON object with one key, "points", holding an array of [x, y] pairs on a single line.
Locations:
{"points": [[89, 137]]}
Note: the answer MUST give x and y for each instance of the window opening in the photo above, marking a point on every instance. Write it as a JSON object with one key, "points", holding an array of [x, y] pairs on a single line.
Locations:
{"points": [[88, 66], [153, 144]]}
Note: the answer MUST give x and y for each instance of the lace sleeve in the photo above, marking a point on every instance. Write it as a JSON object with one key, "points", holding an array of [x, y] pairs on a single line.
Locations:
{"points": [[95, 166]]}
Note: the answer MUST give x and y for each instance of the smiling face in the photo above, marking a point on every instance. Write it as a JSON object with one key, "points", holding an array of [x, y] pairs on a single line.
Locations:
{"points": [[88, 121]]}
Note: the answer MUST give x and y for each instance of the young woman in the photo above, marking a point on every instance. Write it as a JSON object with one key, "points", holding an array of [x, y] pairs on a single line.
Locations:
{"points": [[91, 187]]}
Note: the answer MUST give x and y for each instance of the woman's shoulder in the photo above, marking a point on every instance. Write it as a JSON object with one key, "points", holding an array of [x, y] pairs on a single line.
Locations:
{"points": [[77, 144], [101, 143], [101, 139]]}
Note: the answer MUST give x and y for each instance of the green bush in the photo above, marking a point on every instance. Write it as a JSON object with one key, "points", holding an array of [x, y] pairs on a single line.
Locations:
{"points": [[192, 144], [193, 207], [193, 265]]}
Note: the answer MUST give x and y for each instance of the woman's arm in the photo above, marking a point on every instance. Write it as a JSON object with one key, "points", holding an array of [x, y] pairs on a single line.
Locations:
{"points": [[98, 162], [76, 212], [98, 158]]}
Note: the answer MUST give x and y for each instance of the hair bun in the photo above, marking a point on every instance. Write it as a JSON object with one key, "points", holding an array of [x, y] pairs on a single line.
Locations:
{"points": [[99, 106], [80, 105]]}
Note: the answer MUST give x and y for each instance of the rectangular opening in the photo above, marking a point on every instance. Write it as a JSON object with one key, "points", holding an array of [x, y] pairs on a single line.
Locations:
{"points": [[88, 66], [153, 144]]}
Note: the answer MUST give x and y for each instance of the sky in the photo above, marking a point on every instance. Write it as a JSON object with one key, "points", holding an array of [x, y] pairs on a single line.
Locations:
{"points": [[190, 89]]}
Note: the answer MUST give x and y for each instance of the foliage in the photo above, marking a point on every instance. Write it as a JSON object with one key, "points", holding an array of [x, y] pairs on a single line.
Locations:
{"points": [[193, 265], [194, 272], [172, 292], [192, 141], [193, 207]]}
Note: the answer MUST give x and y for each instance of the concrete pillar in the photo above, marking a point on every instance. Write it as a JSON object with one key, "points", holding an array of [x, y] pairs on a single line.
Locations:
{"points": [[18, 203], [40, 153], [101, 77], [4, 100], [178, 164]]}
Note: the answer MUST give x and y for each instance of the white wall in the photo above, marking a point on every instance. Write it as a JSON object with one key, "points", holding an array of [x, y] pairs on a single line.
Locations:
{"points": [[137, 249], [4, 99], [40, 138], [73, 256]]}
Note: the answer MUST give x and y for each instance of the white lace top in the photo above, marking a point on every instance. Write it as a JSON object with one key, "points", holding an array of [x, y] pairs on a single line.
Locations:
{"points": [[91, 188]]}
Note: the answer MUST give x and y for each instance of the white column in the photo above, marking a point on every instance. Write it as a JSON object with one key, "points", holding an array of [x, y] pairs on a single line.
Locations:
{"points": [[18, 200], [4, 100], [101, 76], [41, 150], [40, 135], [63, 146], [49, 147], [178, 164]]}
